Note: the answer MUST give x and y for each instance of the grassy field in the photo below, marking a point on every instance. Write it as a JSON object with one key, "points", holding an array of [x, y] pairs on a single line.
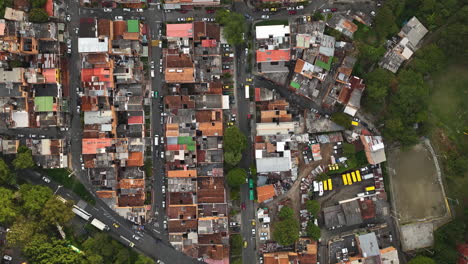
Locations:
{"points": [[449, 118], [448, 113]]}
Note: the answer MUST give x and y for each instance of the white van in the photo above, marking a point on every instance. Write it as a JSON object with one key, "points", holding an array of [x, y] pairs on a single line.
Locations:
{"points": [[156, 140], [152, 73]]}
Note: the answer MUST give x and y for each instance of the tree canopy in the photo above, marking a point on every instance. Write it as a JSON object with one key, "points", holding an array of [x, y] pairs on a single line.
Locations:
{"points": [[234, 143], [342, 119], [6, 176], [234, 26], [313, 207], [236, 177], [286, 231], [38, 15], [313, 231], [24, 159], [34, 198], [8, 212], [55, 211]]}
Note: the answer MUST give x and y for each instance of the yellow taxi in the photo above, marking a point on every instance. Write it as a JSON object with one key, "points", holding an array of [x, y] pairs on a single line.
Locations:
{"points": [[249, 79], [189, 18]]}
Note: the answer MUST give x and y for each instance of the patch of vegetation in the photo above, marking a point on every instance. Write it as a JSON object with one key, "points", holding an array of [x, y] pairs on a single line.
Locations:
{"points": [[286, 230], [235, 143], [342, 119], [235, 241], [61, 176], [234, 26], [38, 15], [236, 177]]}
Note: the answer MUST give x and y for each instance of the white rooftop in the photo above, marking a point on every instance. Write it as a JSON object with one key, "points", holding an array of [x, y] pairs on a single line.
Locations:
{"points": [[88, 45], [274, 31]]}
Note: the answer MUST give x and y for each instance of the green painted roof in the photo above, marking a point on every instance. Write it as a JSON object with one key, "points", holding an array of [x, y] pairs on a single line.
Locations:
{"points": [[44, 103], [295, 85], [325, 65], [133, 26], [188, 141]]}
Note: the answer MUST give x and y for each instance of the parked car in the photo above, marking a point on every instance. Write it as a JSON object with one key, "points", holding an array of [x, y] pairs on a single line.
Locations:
{"points": [[139, 10], [118, 18], [334, 9], [181, 19], [107, 10], [290, 8], [326, 10], [210, 11], [68, 18], [266, 10], [273, 9], [127, 10], [243, 206], [253, 231], [299, 7], [292, 12], [136, 237], [47, 180], [265, 16]]}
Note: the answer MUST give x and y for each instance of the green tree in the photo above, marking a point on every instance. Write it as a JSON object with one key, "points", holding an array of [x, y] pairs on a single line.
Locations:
{"points": [[429, 59], [38, 3], [33, 198], [234, 26], [234, 139], [378, 82], [342, 119], [236, 244], [421, 260], [369, 53], [54, 252], [143, 260], [286, 232], [317, 16], [313, 206], [21, 232], [236, 177], [6, 176], [95, 259], [286, 213], [8, 211], [313, 231], [38, 15], [385, 23], [232, 158], [55, 211], [24, 159]]}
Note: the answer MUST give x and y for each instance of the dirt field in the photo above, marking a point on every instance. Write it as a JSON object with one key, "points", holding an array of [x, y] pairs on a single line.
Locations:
{"points": [[416, 190]]}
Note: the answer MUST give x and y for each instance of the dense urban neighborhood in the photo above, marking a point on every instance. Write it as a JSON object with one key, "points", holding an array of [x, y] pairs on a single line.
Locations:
{"points": [[254, 132]]}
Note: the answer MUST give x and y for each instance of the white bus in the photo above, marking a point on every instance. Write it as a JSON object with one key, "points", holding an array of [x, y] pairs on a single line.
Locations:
{"points": [[247, 91], [81, 213]]}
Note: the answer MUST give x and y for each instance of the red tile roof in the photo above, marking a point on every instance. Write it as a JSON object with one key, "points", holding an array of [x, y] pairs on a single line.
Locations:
{"points": [[209, 43], [135, 120], [265, 192], [95, 145], [273, 55], [179, 30], [49, 7]]}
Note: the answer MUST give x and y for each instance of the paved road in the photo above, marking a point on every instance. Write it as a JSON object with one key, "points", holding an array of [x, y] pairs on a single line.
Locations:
{"points": [[148, 245]]}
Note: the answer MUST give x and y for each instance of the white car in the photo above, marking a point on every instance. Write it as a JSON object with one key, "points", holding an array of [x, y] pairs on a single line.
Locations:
{"points": [[78, 109], [253, 231], [372, 13], [139, 10], [266, 10], [136, 237], [290, 8], [118, 18], [205, 19], [152, 73], [82, 166], [164, 204], [181, 19], [163, 189], [68, 18], [162, 154], [299, 7], [46, 179], [107, 10], [127, 10], [265, 16]]}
